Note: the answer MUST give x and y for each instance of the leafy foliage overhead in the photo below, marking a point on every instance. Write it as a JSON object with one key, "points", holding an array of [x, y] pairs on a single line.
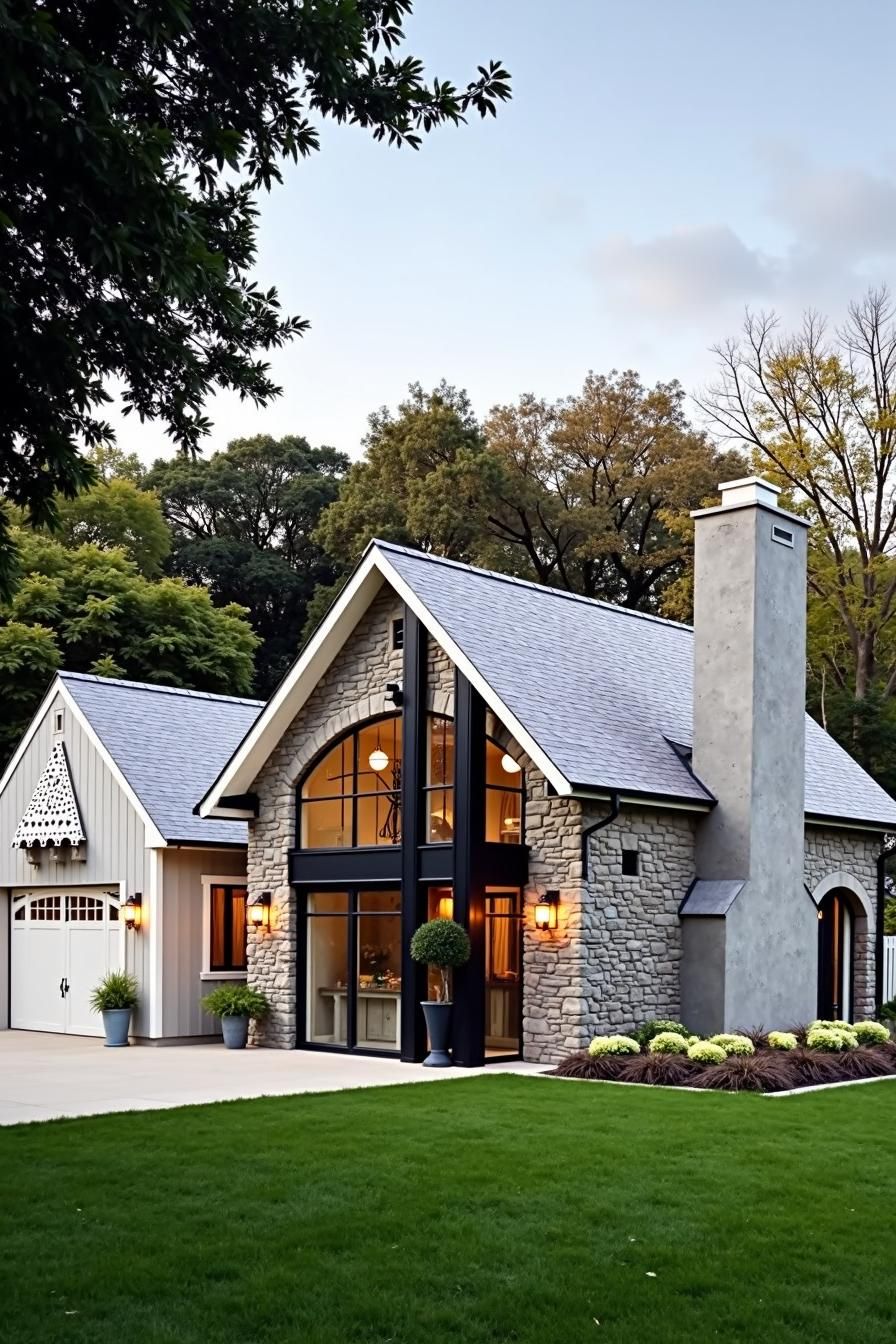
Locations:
{"points": [[136, 138]]}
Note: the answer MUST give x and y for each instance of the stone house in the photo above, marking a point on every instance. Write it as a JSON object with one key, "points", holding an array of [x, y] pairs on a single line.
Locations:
{"points": [[631, 818]]}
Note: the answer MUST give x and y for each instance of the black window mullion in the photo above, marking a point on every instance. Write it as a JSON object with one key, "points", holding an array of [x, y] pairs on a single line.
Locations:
{"points": [[351, 1026]]}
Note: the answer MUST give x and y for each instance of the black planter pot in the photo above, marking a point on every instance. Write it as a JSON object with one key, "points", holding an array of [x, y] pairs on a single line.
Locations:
{"points": [[438, 1024]]}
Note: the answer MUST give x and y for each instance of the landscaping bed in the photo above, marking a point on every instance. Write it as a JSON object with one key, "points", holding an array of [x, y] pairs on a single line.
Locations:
{"points": [[665, 1055]]}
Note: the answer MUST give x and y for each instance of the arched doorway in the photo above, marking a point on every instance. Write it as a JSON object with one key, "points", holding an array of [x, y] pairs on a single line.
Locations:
{"points": [[836, 943]]}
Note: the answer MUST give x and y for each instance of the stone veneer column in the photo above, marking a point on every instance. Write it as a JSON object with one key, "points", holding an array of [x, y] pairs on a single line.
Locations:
{"points": [[851, 856]]}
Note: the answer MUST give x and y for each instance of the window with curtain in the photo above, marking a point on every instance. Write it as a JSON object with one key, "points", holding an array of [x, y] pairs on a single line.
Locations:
{"points": [[228, 929], [352, 796]]}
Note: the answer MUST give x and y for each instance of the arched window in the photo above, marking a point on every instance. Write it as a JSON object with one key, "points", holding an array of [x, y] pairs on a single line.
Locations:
{"points": [[352, 796], [505, 789]]}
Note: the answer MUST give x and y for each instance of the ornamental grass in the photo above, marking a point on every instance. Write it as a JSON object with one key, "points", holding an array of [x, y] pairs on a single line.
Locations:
{"points": [[763, 1072], [660, 1069], [599, 1068]]}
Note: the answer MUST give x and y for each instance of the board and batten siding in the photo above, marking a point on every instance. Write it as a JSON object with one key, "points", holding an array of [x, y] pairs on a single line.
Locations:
{"points": [[116, 857], [182, 935]]}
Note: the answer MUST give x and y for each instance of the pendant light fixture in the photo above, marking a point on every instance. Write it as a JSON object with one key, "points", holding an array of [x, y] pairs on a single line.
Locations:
{"points": [[378, 759]]}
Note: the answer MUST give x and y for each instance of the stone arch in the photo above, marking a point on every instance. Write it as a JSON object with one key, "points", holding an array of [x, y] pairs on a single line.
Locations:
{"points": [[863, 914]]}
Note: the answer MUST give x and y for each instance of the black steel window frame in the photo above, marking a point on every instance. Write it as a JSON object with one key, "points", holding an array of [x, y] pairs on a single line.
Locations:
{"points": [[517, 916], [427, 787], [351, 917], [393, 795], [503, 788], [228, 963]]}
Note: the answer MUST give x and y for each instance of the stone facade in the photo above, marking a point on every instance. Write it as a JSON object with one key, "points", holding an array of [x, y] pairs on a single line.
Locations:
{"points": [[614, 959], [848, 859]]}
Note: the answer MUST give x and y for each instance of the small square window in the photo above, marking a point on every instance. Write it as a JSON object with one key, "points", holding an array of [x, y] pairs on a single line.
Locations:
{"points": [[57, 721], [398, 634], [630, 864]]}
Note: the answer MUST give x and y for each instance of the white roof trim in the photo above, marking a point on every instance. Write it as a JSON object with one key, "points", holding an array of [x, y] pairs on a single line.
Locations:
{"points": [[250, 756], [154, 837]]}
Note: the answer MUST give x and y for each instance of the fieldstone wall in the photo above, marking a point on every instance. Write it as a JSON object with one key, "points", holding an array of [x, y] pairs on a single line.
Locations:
{"points": [[351, 691], [846, 858]]}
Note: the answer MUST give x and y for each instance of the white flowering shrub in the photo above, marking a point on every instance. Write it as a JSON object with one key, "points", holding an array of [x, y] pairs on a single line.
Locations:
{"points": [[836, 1024], [782, 1040], [706, 1053], [669, 1043], [733, 1044], [614, 1045], [870, 1033]]}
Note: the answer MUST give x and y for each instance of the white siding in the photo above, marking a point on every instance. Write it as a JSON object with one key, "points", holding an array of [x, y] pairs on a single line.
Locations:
{"points": [[182, 871]]}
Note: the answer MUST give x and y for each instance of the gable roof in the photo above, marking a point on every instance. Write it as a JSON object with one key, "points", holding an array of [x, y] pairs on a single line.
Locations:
{"points": [[599, 696], [163, 745], [168, 743]]}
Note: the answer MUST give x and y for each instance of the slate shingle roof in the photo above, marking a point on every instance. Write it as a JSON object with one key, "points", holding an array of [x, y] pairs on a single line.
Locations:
{"points": [[169, 744], [604, 691]]}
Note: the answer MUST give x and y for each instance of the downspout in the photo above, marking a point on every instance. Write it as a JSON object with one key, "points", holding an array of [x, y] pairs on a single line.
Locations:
{"points": [[598, 826], [879, 929]]}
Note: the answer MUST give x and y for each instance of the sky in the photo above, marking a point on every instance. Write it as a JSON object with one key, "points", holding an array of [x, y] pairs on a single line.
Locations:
{"points": [[661, 167]]}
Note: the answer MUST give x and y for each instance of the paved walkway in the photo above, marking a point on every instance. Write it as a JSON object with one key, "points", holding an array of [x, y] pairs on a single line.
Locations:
{"points": [[44, 1076]]}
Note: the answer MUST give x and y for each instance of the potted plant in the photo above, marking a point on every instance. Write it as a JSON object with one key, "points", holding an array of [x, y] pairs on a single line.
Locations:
{"points": [[235, 1005], [441, 944], [115, 997]]}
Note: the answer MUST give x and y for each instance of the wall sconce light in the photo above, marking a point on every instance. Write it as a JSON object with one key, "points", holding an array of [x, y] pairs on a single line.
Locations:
{"points": [[546, 910], [394, 694], [133, 911], [259, 911]]}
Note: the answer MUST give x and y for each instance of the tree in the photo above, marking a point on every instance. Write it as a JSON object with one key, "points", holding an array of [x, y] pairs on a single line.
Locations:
{"points": [[135, 142], [418, 483], [593, 493], [818, 413], [243, 525], [114, 513], [90, 610]]}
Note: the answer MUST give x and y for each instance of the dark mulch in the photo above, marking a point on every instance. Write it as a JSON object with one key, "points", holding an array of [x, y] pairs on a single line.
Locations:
{"points": [[766, 1071]]}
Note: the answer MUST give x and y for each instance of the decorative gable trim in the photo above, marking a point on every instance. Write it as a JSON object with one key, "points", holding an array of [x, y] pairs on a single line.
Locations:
{"points": [[52, 817]]}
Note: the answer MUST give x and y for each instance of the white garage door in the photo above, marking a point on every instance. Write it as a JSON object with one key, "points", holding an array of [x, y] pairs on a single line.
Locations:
{"points": [[63, 943]]}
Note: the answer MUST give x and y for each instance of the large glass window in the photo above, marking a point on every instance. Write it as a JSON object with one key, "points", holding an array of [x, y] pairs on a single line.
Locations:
{"points": [[439, 788], [352, 796], [505, 787]]}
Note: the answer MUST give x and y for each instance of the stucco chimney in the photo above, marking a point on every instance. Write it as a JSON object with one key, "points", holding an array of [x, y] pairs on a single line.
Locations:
{"points": [[749, 929]]}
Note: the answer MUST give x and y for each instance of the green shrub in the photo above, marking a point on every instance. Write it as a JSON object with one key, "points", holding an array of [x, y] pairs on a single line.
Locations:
{"points": [[733, 1044], [888, 1011], [653, 1026], [614, 1045], [870, 1033], [441, 943], [782, 1040], [836, 1025], [694, 1040], [118, 989], [669, 1043], [236, 1001], [706, 1053], [831, 1038]]}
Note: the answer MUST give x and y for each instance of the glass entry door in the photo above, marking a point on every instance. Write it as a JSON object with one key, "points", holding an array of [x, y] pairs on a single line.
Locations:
{"points": [[503, 971], [353, 969]]}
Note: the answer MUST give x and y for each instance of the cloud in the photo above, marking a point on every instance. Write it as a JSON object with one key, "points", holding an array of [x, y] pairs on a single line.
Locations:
{"points": [[838, 227], [688, 270]]}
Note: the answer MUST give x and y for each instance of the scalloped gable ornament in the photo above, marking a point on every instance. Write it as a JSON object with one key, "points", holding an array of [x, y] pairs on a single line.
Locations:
{"points": [[52, 818]]}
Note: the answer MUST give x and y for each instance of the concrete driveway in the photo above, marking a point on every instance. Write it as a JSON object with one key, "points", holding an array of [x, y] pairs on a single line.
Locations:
{"points": [[43, 1077]]}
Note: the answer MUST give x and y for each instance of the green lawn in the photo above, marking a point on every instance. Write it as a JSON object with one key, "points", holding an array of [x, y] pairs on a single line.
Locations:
{"points": [[491, 1209]]}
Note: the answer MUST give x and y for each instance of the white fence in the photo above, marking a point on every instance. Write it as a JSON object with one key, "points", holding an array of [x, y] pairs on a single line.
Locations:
{"points": [[889, 968]]}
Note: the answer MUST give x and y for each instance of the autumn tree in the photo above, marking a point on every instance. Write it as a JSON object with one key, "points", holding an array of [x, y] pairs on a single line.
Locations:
{"points": [[816, 409], [136, 140]]}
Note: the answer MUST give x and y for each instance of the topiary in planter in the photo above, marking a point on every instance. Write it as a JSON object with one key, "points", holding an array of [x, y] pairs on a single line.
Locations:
{"points": [[236, 1001], [441, 944], [871, 1033], [733, 1044], [782, 1040], [830, 1038], [116, 990], [706, 1053], [653, 1026], [614, 1045], [669, 1043]]}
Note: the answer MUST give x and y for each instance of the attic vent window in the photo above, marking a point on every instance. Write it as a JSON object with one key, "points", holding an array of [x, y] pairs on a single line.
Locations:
{"points": [[782, 535], [630, 864], [398, 634], [57, 721]]}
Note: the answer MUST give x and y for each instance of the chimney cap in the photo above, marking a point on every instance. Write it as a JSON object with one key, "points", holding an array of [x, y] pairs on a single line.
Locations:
{"points": [[749, 490]]}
